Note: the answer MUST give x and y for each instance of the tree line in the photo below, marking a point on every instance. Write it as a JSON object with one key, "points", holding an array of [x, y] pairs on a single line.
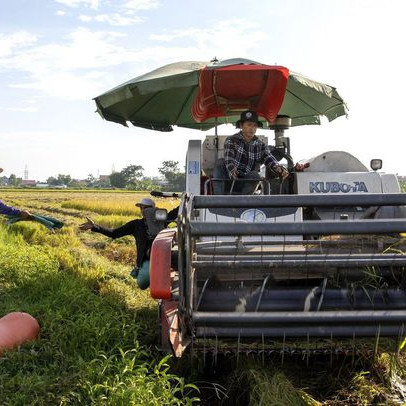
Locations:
{"points": [[131, 177]]}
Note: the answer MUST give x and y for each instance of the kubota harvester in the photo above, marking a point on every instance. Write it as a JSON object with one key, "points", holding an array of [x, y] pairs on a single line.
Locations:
{"points": [[313, 259]]}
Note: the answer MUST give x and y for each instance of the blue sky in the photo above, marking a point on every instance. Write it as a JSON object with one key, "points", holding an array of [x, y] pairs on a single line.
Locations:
{"points": [[56, 55]]}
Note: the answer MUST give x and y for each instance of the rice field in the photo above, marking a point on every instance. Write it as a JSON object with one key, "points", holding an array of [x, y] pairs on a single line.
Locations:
{"points": [[98, 340]]}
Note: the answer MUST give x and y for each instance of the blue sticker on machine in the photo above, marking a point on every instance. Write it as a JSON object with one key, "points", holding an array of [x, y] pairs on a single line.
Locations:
{"points": [[193, 168]]}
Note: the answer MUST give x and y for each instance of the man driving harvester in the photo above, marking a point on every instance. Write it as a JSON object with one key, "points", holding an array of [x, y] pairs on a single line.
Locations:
{"points": [[243, 155]]}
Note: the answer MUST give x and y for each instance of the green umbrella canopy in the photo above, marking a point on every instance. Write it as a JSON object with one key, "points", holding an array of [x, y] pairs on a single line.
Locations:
{"points": [[164, 97]]}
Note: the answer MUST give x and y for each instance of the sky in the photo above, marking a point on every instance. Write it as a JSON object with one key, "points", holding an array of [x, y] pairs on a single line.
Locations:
{"points": [[57, 55]]}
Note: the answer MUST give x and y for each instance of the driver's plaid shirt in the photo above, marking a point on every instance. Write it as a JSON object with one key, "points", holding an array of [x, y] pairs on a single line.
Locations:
{"points": [[246, 157]]}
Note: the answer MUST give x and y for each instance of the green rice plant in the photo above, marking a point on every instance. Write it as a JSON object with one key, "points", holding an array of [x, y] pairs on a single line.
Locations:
{"points": [[365, 391], [99, 331], [7, 237], [35, 233], [142, 384], [125, 254], [104, 207], [113, 221], [267, 387], [122, 294], [123, 207], [79, 327]]}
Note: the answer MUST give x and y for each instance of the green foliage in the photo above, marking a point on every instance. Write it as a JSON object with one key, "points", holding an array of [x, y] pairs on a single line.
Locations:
{"points": [[144, 184], [117, 179], [14, 181], [169, 167], [130, 177], [60, 180], [127, 381], [132, 173], [90, 179], [260, 386], [175, 180], [98, 331]]}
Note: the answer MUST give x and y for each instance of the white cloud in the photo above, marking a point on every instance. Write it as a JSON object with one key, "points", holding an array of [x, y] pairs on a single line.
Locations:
{"points": [[113, 19], [118, 20], [60, 13], [141, 4], [128, 5], [66, 86], [22, 109], [226, 38], [85, 18], [83, 50], [93, 4], [8, 43], [72, 69]]}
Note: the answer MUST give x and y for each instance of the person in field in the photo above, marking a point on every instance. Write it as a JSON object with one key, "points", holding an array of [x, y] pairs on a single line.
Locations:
{"points": [[244, 153], [144, 230], [13, 211]]}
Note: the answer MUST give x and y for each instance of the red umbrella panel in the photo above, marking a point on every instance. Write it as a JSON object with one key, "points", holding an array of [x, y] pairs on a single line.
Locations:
{"points": [[235, 88]]}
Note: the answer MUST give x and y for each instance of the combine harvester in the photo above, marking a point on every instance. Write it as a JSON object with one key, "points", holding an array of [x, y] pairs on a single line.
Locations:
{"points": [[322, 261], [310, 262]]}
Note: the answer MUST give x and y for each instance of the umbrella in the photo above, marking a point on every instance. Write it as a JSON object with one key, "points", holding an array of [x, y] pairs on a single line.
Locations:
{"points": [[200, 95]]}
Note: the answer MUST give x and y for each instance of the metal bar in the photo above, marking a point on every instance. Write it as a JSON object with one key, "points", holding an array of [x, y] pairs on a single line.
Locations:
{"points": [[278, 294], [285, 263], [202, 292], [180, 241], [316, 248], [207, 245], [299, 331], [322, 294], [287, 318], [300, 256], [292, 306], [189, 275], [364, 199], [378, 226], [275, 300], [262, 292]]}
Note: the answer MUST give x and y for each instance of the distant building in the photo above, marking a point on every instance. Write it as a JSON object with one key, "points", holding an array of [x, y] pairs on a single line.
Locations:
{"points": [[42, 185], [28, 182]]}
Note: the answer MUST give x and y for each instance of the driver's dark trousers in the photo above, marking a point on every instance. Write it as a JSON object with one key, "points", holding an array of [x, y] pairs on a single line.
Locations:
{"points": [[245, 185]]}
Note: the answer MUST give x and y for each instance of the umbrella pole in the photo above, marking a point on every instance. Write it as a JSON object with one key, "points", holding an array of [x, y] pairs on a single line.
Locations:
{"points": [[281, 124], [216, 139], [216, 142]]}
